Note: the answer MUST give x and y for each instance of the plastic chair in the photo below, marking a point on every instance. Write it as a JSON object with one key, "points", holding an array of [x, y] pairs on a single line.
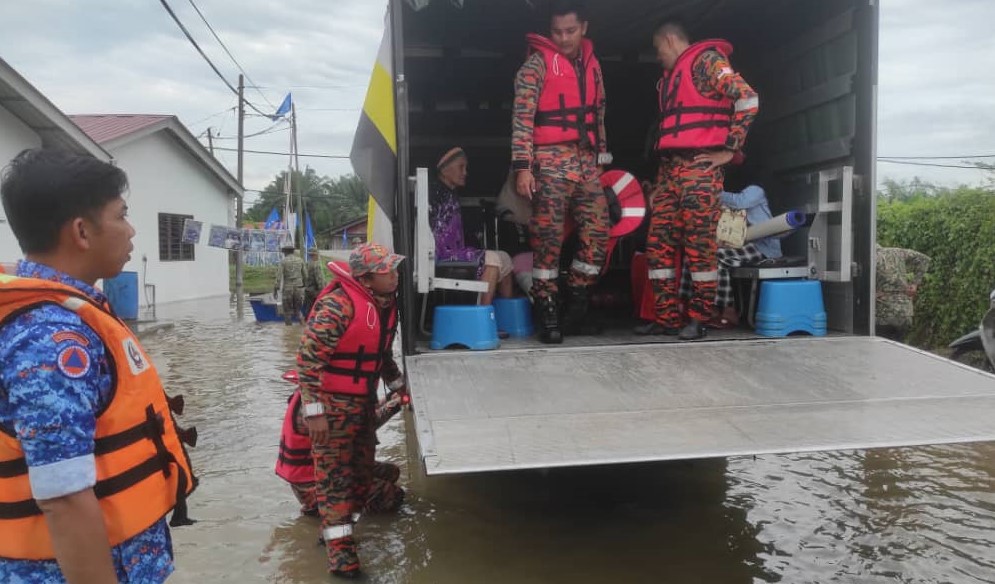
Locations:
{"points": [[514, 316], [472, 327], [791, 306]]}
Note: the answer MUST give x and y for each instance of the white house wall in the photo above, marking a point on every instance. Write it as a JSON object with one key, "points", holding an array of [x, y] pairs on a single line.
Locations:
{"points": [[165, 178], [14, 137]]}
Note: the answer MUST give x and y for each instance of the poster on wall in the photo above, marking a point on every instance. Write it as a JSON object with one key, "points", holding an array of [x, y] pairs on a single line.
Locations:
{"points": [[233, 239], [192, 230], [217, 235], [272, 241], [257, 240]]}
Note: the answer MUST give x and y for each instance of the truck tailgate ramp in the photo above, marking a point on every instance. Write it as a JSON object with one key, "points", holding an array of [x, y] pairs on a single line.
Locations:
{"points": [[558, 407]]}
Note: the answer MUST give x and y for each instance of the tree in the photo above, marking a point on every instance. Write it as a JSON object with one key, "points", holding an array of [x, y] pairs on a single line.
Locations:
{"points": [[329, 201], [907, 190]]}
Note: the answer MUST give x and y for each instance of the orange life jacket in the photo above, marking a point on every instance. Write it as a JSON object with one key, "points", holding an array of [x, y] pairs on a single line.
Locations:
{"points": [[568, 104], [688, 119], [295, 463], [355, 366], [143, 470]]}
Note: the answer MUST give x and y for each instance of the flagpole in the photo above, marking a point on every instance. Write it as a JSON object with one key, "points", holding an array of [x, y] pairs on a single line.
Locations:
{"points": [[297, 168], [239, 267]]}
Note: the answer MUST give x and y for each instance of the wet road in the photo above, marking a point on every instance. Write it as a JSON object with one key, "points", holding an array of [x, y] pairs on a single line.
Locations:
{"points": [[903, 515]]}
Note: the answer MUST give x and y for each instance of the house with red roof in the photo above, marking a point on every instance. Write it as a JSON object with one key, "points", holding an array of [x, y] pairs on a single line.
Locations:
{"points": [[171, 176]]}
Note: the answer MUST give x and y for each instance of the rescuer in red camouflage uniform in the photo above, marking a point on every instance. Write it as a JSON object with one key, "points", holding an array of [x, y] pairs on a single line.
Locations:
{"points": [[558, 141], [706, 109], [345, 351]]}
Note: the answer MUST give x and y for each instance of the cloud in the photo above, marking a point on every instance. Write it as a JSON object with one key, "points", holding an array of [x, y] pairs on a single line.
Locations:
{"points": [[127, 56], [935, 85]]}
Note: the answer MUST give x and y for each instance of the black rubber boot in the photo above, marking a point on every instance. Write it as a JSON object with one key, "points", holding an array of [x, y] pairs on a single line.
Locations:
{"points": [[652, 328], [548, 321], [693, 331], [575, 319]]}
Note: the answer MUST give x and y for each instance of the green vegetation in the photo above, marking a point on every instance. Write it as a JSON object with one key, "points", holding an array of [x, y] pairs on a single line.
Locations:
{"points": [[255, 279], [329, 201], [956, 228]]}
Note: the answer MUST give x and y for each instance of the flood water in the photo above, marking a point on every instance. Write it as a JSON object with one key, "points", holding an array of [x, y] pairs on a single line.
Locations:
{"points": [[901, 515]]}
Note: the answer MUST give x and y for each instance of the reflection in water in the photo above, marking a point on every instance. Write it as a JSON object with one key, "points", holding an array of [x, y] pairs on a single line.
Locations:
{"points": [[904, 515]]}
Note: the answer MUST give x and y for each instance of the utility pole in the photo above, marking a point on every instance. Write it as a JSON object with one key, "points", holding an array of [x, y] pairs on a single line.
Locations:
{"points": [[239, 263], [210, 140], [297, 171]]}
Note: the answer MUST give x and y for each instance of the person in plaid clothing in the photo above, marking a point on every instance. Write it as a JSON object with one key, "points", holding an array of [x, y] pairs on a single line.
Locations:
{"points": [[754, 200]]}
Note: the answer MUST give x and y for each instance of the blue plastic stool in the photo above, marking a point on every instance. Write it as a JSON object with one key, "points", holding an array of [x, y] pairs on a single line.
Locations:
{"points": [[473, 327], [514, 316], [791, 306]]}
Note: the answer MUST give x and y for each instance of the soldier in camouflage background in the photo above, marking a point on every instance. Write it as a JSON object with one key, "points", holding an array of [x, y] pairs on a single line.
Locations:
{"points": [[900, 272], [290, 278], [345, 351], [706, 109], [314, 279], [558, 141]]}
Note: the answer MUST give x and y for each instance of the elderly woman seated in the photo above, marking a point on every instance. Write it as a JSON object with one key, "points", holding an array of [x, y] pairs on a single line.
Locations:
{"points": [[446, 220]]}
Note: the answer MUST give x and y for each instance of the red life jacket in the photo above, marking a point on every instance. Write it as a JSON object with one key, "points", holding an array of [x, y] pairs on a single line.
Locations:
{"points": [[568, 108], [688, 119], [354, 368], [295, 464]]}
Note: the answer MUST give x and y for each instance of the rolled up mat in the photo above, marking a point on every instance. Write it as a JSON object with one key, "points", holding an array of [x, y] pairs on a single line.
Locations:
{"points": [[777, 226]]}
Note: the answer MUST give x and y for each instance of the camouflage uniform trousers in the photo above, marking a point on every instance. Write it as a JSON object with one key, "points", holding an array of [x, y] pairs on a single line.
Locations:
{"points": [[293, 300], [344, 475], [586, 205], [685, 212], [385, 495]]}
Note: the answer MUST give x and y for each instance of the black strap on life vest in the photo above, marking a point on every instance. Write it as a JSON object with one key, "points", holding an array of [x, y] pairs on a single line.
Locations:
{"points": [[152, 428], [671, 108], [294, 451], [358, 358], [571, 118]]}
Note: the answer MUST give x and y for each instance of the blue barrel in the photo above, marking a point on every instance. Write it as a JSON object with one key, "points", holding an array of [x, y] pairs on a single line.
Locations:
{"points": [[122, 293]]}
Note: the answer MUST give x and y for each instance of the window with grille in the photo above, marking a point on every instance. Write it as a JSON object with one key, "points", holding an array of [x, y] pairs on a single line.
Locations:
{"points": [[171, 246]]}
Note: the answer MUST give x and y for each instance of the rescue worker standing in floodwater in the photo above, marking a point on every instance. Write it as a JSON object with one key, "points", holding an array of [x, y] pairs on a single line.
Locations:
{"points": [[558, 142], [345, 351], [90, 458], [706, 110]]}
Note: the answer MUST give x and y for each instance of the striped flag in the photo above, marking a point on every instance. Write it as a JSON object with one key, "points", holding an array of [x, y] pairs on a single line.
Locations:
{"points": [[374, 149]]}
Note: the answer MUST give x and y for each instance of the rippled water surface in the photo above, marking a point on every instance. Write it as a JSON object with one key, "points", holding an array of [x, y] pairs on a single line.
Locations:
{"points": [[903, 515]]}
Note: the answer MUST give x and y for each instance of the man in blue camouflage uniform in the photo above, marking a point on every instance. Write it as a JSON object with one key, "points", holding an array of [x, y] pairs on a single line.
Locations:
{"points": [[58, 204]]}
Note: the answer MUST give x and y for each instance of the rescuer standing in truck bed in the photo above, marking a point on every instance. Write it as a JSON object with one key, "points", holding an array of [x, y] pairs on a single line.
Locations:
{"points": [[706, 109], [558, 141]]}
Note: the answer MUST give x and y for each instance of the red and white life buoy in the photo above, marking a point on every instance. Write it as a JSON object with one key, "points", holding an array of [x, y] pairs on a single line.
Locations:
{"points": [[630, 197]]}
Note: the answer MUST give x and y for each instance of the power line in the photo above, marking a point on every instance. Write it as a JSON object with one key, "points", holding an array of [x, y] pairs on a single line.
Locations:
{"points": [[939, 157], [934, 165], [203, 54], [330, 109], [230, 55], [270, 130], [212, 116], [333, 156], [357, 86]]}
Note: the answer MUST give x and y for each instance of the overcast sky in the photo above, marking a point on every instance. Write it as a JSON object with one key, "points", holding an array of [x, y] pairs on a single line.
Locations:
{"points": [[937, 94]]}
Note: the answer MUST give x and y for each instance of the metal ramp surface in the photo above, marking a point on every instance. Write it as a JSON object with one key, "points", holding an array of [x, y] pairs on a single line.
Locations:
{"points": [[520, 409]]}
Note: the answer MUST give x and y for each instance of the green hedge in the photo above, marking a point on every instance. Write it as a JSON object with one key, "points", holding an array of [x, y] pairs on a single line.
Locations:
{"points": [[957, 230]]}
